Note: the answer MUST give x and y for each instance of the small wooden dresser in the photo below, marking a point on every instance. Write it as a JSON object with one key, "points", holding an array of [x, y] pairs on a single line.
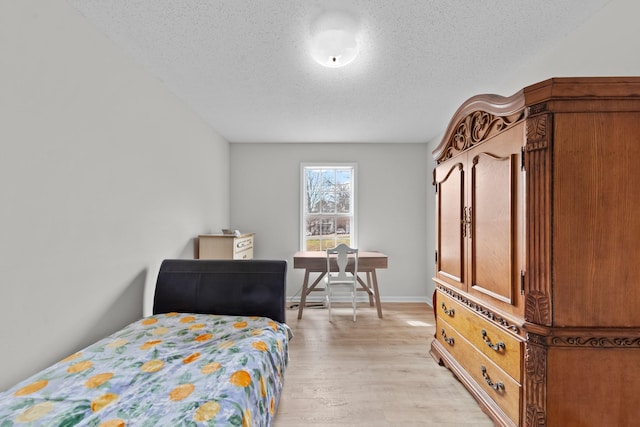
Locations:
{"points": [[538, 252], [225, 246]]}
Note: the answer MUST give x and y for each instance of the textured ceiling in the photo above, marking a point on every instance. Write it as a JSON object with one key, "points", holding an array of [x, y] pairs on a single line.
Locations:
{"points": [[244, 65]]}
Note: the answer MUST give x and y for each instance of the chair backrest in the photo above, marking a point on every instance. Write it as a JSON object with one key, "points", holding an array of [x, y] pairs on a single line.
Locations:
{"points": [[342, 251]]}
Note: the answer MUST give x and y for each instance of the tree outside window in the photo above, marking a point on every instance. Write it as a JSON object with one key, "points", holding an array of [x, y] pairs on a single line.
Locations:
{"points": [[328, 211]]}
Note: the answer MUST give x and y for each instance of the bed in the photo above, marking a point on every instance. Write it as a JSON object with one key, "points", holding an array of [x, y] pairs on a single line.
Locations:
{"points": [[214, 353]]}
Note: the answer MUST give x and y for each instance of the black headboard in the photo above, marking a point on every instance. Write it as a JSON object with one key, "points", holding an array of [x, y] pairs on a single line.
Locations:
{"points": [[236, 287]]}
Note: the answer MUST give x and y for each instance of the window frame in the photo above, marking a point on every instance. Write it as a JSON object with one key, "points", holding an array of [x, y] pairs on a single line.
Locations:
{"points": [[353, 233]]}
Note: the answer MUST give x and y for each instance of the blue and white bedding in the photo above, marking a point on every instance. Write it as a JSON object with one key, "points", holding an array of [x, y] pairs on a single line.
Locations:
{"points": [[174, 369]]}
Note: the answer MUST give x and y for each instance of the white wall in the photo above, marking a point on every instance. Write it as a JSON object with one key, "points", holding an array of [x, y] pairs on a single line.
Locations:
{"points": [[608, 44], [393, 183], [103, 173]]}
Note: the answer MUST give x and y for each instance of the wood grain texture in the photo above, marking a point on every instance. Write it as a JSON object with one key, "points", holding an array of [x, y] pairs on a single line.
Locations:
{"points": [[374, 372], [577, 305], [596, 222], [496, 343]]}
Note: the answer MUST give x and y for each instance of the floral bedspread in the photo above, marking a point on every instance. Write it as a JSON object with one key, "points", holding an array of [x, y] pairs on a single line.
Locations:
{"points": [[174, 369]]}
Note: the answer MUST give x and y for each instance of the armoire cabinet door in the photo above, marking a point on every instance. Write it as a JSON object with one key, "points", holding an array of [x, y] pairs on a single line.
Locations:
{"points": [[480, 220], [450, 198], [495, 258]]}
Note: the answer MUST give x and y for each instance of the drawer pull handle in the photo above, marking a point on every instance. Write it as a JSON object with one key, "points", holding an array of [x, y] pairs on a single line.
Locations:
{"points": [[449, 341], [496, 386], [243, 244], [450, 312], [497, 346]]}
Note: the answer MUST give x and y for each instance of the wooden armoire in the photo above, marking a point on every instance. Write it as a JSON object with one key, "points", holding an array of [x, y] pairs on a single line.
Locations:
{"points": [[538, 252]]}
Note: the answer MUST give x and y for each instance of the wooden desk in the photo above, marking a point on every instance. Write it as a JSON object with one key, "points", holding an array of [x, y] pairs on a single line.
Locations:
{"points": [[316, 262]]}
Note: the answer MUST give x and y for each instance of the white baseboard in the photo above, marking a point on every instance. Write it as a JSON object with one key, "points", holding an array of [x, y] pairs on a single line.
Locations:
{"points": [[361, 298]]}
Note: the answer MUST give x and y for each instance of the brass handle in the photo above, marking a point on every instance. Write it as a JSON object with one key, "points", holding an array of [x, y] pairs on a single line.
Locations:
{"points": [[496, 386], [497, 346], [448, 312], [449, 341], [466, 222]]}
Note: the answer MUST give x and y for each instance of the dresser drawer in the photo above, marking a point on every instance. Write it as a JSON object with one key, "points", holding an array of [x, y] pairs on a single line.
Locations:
{"points": [[495, 382], [225, 246], [243, 248], [495, 343]]}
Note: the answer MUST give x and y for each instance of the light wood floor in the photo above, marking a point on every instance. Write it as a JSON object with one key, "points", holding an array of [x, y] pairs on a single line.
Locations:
{"points": [[375, 372]]}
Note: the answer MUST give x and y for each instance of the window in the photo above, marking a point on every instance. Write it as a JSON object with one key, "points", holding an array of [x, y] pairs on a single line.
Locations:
{"points": [[328, 206]]}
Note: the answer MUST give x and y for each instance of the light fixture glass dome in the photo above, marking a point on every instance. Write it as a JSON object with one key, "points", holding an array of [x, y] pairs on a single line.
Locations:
{"points": [[334, 39]]}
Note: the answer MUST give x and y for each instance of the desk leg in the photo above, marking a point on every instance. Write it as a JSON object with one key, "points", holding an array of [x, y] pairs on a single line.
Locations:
{"points": [[303, 294], [369, 285], [377, 294]]}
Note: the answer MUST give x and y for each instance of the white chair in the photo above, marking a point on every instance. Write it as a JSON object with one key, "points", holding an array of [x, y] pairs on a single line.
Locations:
{"points": [[342, 279]]}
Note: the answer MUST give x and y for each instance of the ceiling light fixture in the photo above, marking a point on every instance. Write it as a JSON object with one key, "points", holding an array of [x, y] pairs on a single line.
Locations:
{"points": [[334, 39]]}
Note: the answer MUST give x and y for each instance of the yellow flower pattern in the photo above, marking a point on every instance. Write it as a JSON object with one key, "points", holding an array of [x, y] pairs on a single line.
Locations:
{"points": [[160, 331], [35, 412], [263, 387], [260, 345], [210, 367], [188, 319], [103, 400], [31, 388], [191, 358], [152, 366], [240, 378], [117, 422], [71, 357], [246, 419], [225, 345], [135, 378], [117, 343], [98, 380], [181, 392], [206, 411], [80, 366], [203, 337], [149, 344]]}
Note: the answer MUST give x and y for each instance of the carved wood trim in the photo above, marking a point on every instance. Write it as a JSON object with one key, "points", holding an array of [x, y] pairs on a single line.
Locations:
{"points": [[485, 312], [478, 119], [536, 417], [596, 342], [535, 367], [538, 108], [537, 133], [538, 308], [580, 337]]}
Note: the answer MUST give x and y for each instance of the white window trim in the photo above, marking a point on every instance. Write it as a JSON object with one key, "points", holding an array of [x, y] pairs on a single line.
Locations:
{"points": [[354, 165]]}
